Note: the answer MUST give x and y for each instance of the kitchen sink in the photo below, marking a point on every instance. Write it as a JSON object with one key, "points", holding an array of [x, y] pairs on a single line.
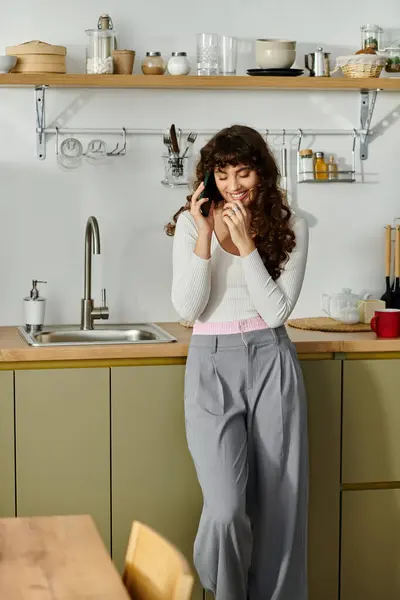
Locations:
{"points": [[72, 335]]}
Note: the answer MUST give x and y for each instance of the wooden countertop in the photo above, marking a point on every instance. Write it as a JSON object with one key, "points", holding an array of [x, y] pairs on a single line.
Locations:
{"points": [[56, 557], [14, 350]]}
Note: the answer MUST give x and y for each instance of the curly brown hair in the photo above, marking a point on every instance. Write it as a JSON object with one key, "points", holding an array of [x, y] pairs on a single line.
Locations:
{"points": [[270, 215]]}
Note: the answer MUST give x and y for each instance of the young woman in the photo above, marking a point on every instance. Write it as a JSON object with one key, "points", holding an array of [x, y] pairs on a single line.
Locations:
{"points": [[237, 274]]}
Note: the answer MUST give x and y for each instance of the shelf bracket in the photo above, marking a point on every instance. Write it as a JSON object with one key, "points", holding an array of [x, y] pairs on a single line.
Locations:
{"points": [[367, 106], [40, 122]]}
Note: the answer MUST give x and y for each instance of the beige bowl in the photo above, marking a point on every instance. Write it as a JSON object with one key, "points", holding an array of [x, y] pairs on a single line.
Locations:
{"points": [[275, 54]]}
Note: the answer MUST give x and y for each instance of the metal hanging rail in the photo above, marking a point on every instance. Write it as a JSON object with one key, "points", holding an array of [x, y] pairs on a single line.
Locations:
{"points": [[205, 132]]}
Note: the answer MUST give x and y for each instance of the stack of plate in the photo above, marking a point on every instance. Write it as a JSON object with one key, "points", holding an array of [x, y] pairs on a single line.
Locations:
{"points": [[38, 57], [275, 72]]}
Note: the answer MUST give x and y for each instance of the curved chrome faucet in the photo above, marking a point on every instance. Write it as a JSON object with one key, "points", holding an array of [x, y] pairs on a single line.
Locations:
{"points": [[92, 246]]}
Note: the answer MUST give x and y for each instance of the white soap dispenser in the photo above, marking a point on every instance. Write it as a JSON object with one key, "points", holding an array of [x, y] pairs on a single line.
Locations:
{"points": [[34, 309]]}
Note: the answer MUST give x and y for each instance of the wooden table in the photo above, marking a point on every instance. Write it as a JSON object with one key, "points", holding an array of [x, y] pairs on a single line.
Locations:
{"points": [[56, 558]]}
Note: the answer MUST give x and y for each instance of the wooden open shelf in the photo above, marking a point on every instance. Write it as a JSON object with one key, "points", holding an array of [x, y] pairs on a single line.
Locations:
{"points": [[195, 82]]}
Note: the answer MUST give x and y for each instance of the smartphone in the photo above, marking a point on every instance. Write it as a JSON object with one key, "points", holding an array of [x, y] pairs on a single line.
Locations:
{"points": [[208, 192]]}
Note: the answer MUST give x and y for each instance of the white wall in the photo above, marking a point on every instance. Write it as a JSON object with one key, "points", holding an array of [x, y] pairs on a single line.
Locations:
{"points": [[43, 210]]}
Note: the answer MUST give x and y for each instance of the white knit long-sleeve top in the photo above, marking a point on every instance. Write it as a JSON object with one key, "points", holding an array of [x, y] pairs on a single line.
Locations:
{"points": [[231, 288]]}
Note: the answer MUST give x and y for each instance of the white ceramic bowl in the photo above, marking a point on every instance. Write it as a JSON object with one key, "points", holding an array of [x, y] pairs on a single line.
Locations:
{"points": [[275, 54], [7, 63]]}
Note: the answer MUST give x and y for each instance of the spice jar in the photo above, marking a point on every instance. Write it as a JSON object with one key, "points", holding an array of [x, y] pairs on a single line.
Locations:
{"points": [[153, 64], [306, 165], [371, 36], [332, 168], [321, 168], [179, 64]]}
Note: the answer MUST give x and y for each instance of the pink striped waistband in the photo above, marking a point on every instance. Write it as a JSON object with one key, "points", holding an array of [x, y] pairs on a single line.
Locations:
{"points": [[252, 324]]}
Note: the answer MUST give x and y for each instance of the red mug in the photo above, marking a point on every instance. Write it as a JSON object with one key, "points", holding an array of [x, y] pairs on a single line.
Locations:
{"points": [[386, 323]]}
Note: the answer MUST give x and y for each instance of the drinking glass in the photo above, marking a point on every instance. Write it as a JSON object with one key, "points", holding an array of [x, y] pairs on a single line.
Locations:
{"points": [[227, 55], [207, 54]]}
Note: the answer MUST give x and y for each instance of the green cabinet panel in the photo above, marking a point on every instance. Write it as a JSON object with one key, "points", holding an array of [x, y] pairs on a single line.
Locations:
{"points": [[153, 478], [63, 444], [370, 545], [7, 465], [371, 421], [323, 385]]}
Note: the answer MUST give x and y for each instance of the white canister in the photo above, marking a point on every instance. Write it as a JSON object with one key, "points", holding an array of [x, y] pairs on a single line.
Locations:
{"points": [[179, 64]]}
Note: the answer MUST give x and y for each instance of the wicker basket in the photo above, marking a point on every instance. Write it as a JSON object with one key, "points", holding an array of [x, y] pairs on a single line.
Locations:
{"points": [[360, 66], [362, 70]]}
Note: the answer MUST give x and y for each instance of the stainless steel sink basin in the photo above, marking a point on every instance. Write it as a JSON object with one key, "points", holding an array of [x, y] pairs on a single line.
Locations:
{"points": [[71, 335]]}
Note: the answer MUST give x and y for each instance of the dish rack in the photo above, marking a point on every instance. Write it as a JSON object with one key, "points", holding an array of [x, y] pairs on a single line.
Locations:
{"points": [[343, 175]]}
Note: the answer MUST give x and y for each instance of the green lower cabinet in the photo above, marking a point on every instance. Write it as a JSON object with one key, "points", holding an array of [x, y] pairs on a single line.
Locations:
{"points": [[370, 564], [153, 478], [63, 444], [7, 465], [371, 421], [323, 384]]}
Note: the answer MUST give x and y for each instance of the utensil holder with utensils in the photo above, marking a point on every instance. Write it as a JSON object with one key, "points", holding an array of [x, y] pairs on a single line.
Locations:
{"points": [[391, 296], [176, 161]]}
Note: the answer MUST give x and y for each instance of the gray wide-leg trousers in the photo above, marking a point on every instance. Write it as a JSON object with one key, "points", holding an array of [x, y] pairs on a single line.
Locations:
{"points": [[246, 427]]}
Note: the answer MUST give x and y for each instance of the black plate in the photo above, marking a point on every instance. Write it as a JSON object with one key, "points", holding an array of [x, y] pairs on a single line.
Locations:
{"points": [[275, 72]]}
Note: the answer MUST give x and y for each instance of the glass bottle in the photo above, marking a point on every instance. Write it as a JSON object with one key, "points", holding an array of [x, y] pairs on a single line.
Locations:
{"points": [[321, 168], [306, 165], [105, 24], [99, 47], [153, 64], [332, 168]]}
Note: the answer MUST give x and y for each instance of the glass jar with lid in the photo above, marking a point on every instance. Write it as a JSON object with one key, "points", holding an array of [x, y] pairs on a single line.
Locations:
{"points": [[393, 58], [371, 36], [178, 64], [153, 64], [101, 43]]}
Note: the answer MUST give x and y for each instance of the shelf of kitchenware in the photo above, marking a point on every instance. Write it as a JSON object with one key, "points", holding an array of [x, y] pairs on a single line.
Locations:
{"points": [[200, 82]]}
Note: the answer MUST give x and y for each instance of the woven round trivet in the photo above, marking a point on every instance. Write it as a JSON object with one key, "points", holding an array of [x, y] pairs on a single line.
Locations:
{"points": [[327, 324]]}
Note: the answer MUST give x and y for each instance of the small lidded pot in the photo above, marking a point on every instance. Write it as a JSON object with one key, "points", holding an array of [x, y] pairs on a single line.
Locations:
{"points": [[179, 64], [153, 64]]}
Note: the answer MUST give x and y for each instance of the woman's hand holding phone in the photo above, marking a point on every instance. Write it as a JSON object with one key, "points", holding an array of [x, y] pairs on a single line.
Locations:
{"points": [[205, 224]]}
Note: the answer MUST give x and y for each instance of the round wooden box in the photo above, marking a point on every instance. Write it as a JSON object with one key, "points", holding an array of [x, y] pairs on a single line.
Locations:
{"points": [[38, 57]]}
